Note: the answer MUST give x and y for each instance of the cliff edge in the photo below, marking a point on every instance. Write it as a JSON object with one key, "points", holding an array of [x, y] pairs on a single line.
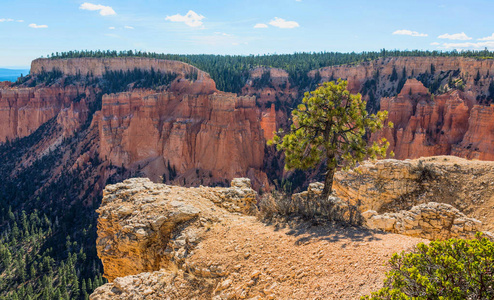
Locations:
{"points": [[167, 242]]}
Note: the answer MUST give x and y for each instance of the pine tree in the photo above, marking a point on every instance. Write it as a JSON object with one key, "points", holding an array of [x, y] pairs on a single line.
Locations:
{"points": [[330, 125]]}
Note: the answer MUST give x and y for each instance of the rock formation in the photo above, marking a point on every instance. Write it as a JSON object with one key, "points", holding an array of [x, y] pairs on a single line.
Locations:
{"points": [[268, 123], [389, 186], [137, 220], [166, 242], [381, 69], [23, 110], [187, 131], [433, 221], [478, 141], [98, 66], [182, 126], [218, 133], [427, 125], [275, 87]]}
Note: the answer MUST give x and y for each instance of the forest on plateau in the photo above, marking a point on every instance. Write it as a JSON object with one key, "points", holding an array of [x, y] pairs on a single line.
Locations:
{"points": [[230, 72]]}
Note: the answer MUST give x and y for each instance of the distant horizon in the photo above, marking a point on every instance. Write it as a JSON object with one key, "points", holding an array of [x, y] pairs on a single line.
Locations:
{"points": [[38, 28]]}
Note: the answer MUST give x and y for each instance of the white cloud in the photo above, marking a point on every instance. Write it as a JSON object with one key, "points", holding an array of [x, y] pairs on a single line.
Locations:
{"points": [[479, 45], [111, 28], [456, 36], [191, 19], [435, 44], [103, 10], [488, 38], [36, 26], [20, 21], [409, 32], [128, 27], [6, 20], [261, 25], [282, 23]]}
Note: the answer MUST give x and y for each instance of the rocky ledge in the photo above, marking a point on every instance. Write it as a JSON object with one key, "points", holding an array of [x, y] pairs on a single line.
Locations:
{"points": [[433, 221], [390, 185], [167, 242], [142, 225]]}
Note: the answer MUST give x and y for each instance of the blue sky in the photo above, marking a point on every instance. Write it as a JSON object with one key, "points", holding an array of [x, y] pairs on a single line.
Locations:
{"points": [[34, 28]]}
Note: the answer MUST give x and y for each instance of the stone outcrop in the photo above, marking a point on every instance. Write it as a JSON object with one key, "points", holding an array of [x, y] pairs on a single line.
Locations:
{"points": [[404, 193], [413, 87], [161, 284], [140, 223], [388, 186], [433, 221], [166, 242]]}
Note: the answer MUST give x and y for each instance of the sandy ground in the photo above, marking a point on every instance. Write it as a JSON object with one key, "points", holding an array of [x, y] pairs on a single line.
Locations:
{"points": [[297, 261]]}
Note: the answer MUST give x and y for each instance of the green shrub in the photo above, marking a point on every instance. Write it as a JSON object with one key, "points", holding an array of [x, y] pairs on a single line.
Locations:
{"points": [[452, 269]]}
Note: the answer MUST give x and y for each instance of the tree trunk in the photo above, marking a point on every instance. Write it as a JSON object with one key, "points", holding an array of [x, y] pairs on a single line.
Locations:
{"points": [[328, 180]]}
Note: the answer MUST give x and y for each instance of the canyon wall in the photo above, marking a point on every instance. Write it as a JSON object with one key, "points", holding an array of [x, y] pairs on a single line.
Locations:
{"points": [[205, 136], [98, 66], [23, 110], [478, 141], [218, 133], [190, 130], [428, 125], [382, 69]]}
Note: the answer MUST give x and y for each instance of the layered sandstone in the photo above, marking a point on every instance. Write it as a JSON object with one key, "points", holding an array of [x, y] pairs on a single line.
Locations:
{"points": [[203, 84], [23, 110], [140, 223], [98, 66], [430, 220], [382, 69], [188, 132], [388, 186], [478, 141], [217, 133], [268, 123], [427, 125], [433, 221]]}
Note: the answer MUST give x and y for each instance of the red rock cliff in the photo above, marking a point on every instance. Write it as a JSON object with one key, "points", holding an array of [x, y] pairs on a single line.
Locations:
{"points": [[218, 133], [23, 110], [478, 142], [426, 125], [382, 68]]}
